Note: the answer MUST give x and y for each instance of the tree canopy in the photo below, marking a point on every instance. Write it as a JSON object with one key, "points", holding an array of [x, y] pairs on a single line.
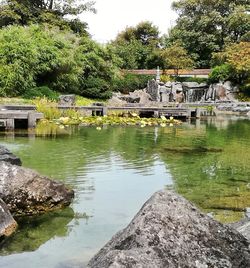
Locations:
{"points": [[177, 57], [53, 12], [36, 56], [205, 26], [137, 46]]}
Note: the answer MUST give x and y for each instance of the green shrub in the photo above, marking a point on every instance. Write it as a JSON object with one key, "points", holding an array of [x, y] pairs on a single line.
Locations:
{"points": [[131, 82], [95, 87], [43, 91], [221, 73], [191, 79]]}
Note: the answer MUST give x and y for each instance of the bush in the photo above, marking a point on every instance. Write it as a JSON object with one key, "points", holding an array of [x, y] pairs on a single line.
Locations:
{"points": [[221, 73], [131, 82], [94, 87], [191, 79], [41, 92]]}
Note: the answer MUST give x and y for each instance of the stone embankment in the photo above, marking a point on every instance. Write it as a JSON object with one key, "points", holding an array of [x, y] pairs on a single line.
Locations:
{"points": [[25, 192], [170, 232], [177, 92]]}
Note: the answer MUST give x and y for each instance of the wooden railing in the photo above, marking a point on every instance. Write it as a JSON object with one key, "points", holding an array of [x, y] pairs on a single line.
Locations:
{"points": [[194, 72]]}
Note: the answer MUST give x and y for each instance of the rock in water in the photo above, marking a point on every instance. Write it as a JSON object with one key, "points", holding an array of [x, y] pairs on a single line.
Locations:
{"points": [[7, 223], [7, 156], [26, 192], [170, 232]]}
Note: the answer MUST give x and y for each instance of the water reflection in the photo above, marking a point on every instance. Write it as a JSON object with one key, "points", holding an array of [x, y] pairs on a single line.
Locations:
{"points": [[34, 231], [114, 171]]}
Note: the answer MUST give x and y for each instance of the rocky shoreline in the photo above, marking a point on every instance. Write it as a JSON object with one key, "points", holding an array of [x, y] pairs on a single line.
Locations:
{"points": [[24, 192], [169, 231]]}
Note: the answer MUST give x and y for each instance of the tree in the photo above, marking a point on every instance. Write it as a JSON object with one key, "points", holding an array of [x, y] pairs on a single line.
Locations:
{"points": [[35, 56], [176, 57], [205, 26], [136, 46], [237, 58], [53, 12]]}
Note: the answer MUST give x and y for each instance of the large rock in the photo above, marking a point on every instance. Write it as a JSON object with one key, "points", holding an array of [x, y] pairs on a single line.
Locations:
{"points": [[153, 90], [26, 192], [7, 223], [7, 156], [243, 227], [67, 100], [145, 98], [170, 232]]}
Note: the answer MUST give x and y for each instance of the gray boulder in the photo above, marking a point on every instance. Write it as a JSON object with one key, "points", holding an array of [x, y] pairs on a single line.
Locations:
{"points": [[7, 224], [7, 156], [26, 192], [243, 227], [170, 232], [67, 100], [194, 85], [130, 98]]}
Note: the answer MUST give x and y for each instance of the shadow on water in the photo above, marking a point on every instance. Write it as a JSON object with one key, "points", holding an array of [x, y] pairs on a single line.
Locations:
{"points": [[34, 231]]}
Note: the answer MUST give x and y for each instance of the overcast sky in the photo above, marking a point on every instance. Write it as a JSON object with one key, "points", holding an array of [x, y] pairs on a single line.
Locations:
{"points": [[114, 15]]}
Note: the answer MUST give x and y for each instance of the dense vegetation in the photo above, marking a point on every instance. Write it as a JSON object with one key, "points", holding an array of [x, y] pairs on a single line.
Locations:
{"points": [[46, 49]]}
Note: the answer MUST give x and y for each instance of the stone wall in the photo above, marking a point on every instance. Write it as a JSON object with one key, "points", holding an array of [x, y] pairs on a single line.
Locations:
{"points": [[190, 91]]}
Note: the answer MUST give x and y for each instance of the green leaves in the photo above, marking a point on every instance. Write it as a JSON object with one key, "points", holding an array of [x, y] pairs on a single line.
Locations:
{"points": [[137, 46], [176, 57], [205, 26]]}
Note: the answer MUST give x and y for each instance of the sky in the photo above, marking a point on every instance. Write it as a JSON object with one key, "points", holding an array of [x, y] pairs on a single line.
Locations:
{"points": [[114, 15]]}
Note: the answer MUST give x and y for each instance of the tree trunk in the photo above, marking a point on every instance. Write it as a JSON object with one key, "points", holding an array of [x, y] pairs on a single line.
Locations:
{"points": [[51, 4]]}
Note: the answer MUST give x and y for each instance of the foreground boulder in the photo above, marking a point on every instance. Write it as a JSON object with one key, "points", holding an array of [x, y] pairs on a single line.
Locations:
{"points": [[243, 227], [7, 156], [170, 232], [7, 223], [27, 193]]}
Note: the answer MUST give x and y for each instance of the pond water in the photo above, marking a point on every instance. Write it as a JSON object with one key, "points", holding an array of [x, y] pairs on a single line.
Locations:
{"points": [[114, 171]]}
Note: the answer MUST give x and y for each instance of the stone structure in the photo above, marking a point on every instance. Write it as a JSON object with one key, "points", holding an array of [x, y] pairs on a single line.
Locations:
{"points": [[138, 96], [170, 232], [26, 192], [7, 156], [7, 224], [190, 91], [67, 100]]}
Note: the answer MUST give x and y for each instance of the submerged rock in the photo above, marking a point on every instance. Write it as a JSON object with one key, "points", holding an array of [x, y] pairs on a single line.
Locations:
{"points": [[7, 224], [170, 232], [26, 192], [7, 156]]}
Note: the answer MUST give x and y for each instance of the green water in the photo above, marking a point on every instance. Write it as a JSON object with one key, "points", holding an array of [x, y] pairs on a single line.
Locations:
{"points": [[114, 171]]}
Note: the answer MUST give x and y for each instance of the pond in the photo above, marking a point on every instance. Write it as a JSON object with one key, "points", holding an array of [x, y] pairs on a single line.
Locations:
{"points": [[114, 171]]}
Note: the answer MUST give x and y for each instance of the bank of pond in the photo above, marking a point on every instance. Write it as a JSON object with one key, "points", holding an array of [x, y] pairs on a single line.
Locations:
{"points": [[113, 170]]}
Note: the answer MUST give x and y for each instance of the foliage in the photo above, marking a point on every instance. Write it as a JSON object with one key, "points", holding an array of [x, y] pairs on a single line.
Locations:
{"points": [[130, 82], [51, 12], [48, 108], [73, 118], [166, 78], [43, 91], [191, 79], [35, 56], [234, 63], [176, 57], [99, 70], [204, 27], [220, 73], [138, 46], [83, 101]]}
